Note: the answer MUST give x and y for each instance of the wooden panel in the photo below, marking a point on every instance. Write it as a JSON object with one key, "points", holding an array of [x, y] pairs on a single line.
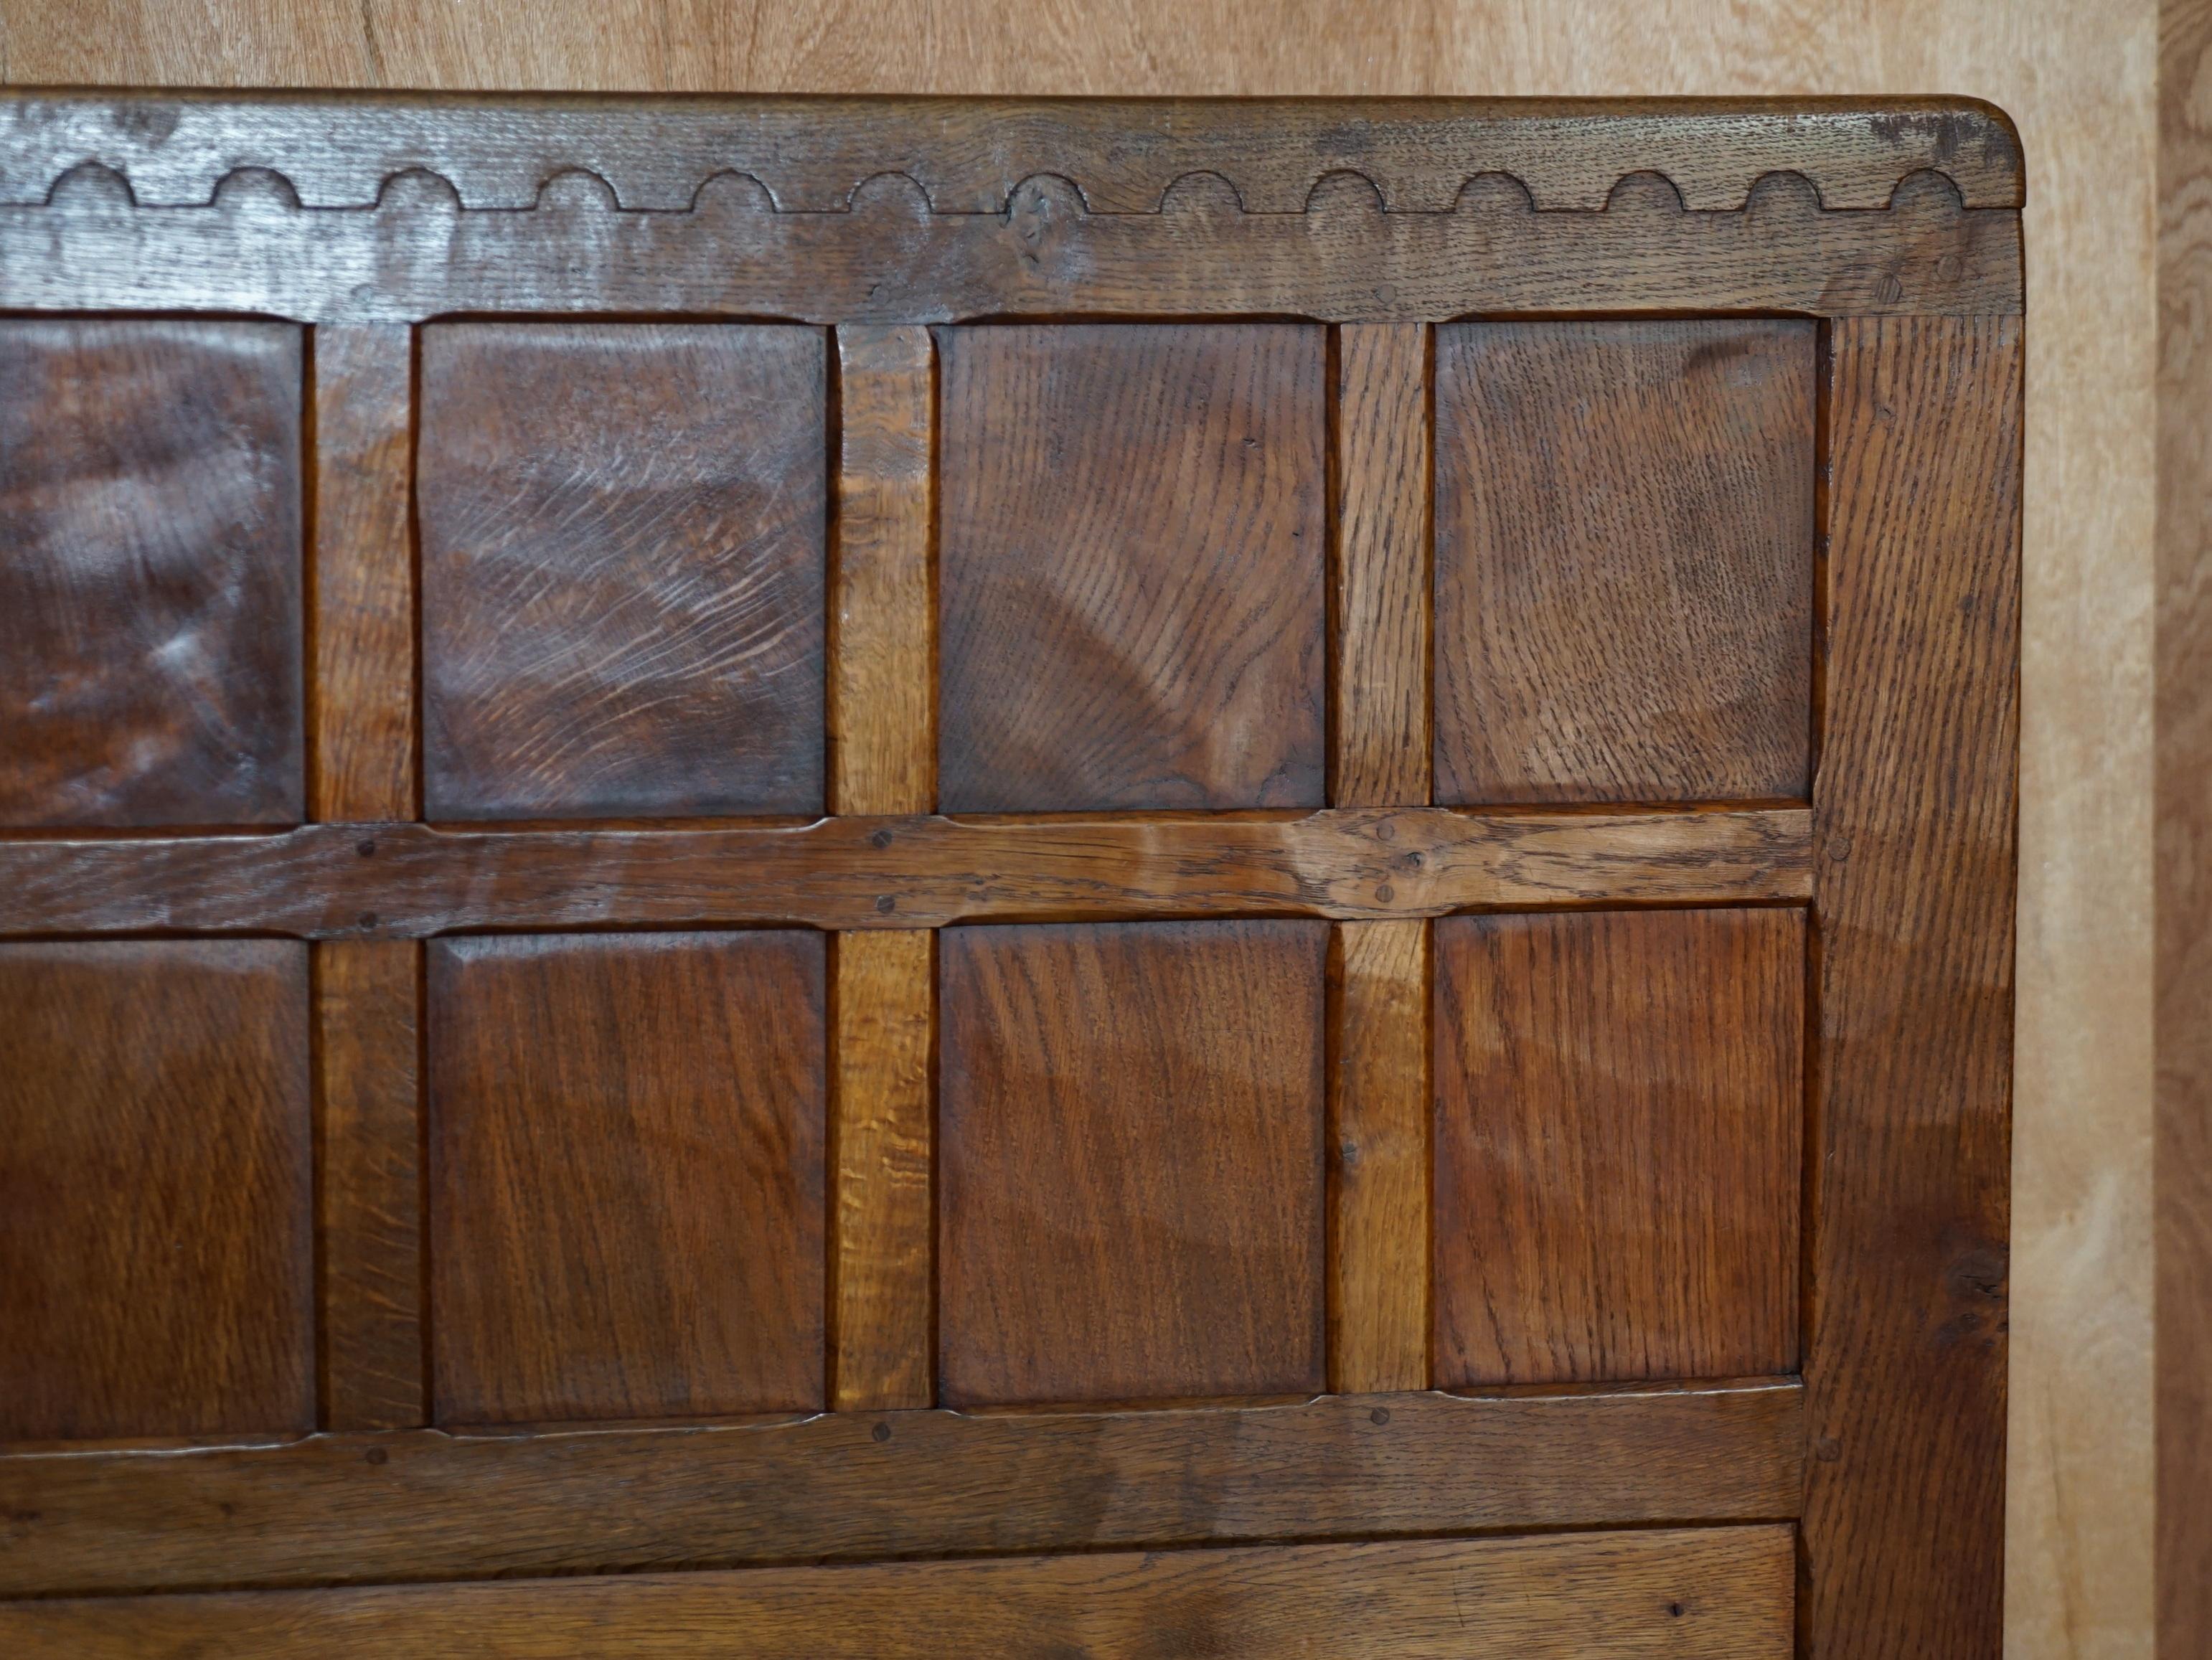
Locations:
{"points": [[157, 1189], [882, 708], [967, 157], [1719, 1593], [369, 1182], [885, 1300], [1131, 560], [1619, 1101], [362, 700], [622, 569], [1378, 1152], [2184, 837], [1905, 1347], [1044, 256], [1624, 577], [1131, 1186], [840, 1486], [1358, 864], [669, 1088], [150, 601], [1381, 629]]}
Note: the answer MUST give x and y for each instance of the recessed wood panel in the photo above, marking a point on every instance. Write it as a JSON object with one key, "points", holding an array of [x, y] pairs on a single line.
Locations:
{"points": [[1131, 1185], [1624, 561], [149, 596], [1131, 583], [156, 1189], [622, 569], [1619, 1099], [627, 1174], [1716, 1593]]}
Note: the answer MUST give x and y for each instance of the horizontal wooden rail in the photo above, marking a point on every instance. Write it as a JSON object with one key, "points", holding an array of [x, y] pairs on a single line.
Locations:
{"points": [[354, 881], [418, 1504], [1720, 1593]]}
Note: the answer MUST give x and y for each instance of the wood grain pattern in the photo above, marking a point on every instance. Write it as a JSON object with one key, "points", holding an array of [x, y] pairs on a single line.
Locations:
{"points": [[1915, 805], [156, 1189], [888, 261], [361, 693], [1131, 591], [847, 1485], [1378, 1154], [967, 157], [149, 602], [883, 706], [2184, 834], [1370, 864], [1624, 575], [622, 569], [1618, 1112], [1381, 623], [1130, 1117], [626, 1200], [369, 1183], [1721, 1593], [884, 1302]]}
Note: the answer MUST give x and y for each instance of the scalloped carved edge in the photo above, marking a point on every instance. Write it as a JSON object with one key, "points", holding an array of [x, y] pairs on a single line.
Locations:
{"points": [[974, 156], [1645, 191]]}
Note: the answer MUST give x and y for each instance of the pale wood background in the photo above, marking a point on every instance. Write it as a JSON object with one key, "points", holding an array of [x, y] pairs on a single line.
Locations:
{"points": [[2079, 77]]}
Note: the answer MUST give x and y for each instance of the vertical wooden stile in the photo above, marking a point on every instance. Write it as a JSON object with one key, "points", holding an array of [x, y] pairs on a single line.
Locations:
{"points": [[882, 749]]}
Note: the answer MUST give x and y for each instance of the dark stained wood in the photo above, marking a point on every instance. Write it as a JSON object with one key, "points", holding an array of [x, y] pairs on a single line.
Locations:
{"points": [[1130, 1203], [622, 569], [1623, 563], [1720, 1593], [882, 708], [361, 699], [1619, 1099], [2184, 834], [852, 1486], [157, 1187], [1130, 566], [149, 598], [626, 1199], [888, 262], [1378, 1157], [1381, 627], [968, 154], [1916, 815], [369, 1183], [394, 881], [882, 1268]]}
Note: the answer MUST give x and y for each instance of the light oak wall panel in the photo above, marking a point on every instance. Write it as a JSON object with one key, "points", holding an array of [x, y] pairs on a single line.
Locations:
{"points": [[2079, 79]]}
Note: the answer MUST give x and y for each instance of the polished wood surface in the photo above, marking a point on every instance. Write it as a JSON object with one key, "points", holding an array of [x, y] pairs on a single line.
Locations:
{"points": [[363, 758], [393, 880], [1722, 1593], [1905, 1346], [1131, 575], [845, 1487], [883, 709], [2184, 835], [584, 249], [1624, 585], [1381, 623], [1131, 1120], [370, 1329], [626, 1181], [883, 1131], [1379, 1157], [149, 602], [612, 626], [1619, 1110], [158, 1183]]}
